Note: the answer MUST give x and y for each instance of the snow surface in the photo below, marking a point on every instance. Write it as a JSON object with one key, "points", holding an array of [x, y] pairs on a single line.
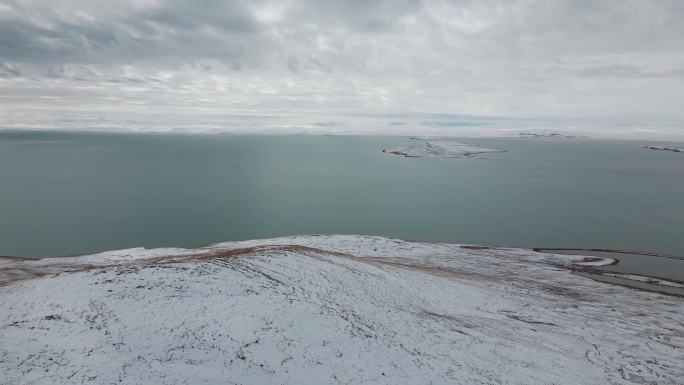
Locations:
{"points": [[651, 280], [330, 310], [595, 261], [439, 149]]}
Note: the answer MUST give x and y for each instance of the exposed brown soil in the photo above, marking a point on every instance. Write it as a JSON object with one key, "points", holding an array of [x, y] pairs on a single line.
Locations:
{"points": [[16, 273]]}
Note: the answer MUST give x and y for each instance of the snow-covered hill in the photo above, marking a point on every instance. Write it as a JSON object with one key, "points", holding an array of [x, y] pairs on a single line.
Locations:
{"points": [[330, 310]]}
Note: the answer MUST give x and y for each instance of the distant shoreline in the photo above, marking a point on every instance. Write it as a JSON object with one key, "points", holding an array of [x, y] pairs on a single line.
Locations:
{"points": [[643, 141]]}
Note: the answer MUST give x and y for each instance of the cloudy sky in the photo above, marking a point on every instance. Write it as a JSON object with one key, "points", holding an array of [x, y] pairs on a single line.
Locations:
{"points": [[174, 64]]}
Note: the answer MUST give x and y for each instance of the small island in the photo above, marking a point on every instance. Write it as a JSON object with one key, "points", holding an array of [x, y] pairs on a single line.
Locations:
{"points": [[440, 149], [547, 135], [664, 148]]}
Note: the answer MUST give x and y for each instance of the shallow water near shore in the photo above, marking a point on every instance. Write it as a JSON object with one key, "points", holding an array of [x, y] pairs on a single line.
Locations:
{"points": [[74, 193]]}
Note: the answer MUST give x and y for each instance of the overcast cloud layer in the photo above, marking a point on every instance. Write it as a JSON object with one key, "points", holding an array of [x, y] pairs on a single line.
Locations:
{"points": [[342, 65]]}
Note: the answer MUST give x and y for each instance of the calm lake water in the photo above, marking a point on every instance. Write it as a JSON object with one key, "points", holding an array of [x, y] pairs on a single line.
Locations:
{"points": [[72, 193]]}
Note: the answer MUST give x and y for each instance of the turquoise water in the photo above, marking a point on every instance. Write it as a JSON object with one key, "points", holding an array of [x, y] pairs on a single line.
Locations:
{"points": [[72, 193]]}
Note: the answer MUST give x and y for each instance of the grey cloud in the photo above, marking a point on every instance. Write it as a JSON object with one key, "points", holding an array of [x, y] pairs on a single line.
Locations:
{"points": [[22, 41], [629, 71], [228, 16], [358, 15], [175, 29], [484, 57], [226, 30], [229, 30], [9, 70]]}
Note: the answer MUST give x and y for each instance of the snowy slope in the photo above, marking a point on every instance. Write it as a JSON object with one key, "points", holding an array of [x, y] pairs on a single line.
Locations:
{"points": [[330, 310]]}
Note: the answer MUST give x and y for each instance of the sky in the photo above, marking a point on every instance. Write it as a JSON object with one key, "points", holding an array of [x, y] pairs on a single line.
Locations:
{"points": [[609, 66]]}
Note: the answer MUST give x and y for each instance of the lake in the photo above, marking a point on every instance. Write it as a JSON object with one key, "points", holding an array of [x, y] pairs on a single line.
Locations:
{"points": [[72, 193]]}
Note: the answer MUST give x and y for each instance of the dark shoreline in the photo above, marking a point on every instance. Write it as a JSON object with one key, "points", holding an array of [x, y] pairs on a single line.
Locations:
{"points": [[618, 251], [632, 284], [603, 273]]}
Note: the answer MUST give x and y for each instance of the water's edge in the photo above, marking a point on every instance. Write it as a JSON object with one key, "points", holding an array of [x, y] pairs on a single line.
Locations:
{"points": [[597, 273]]}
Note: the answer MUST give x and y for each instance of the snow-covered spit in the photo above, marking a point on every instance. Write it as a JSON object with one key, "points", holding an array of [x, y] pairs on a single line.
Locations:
{"points": [[331, 310], [439, 149], [664, 148]]}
